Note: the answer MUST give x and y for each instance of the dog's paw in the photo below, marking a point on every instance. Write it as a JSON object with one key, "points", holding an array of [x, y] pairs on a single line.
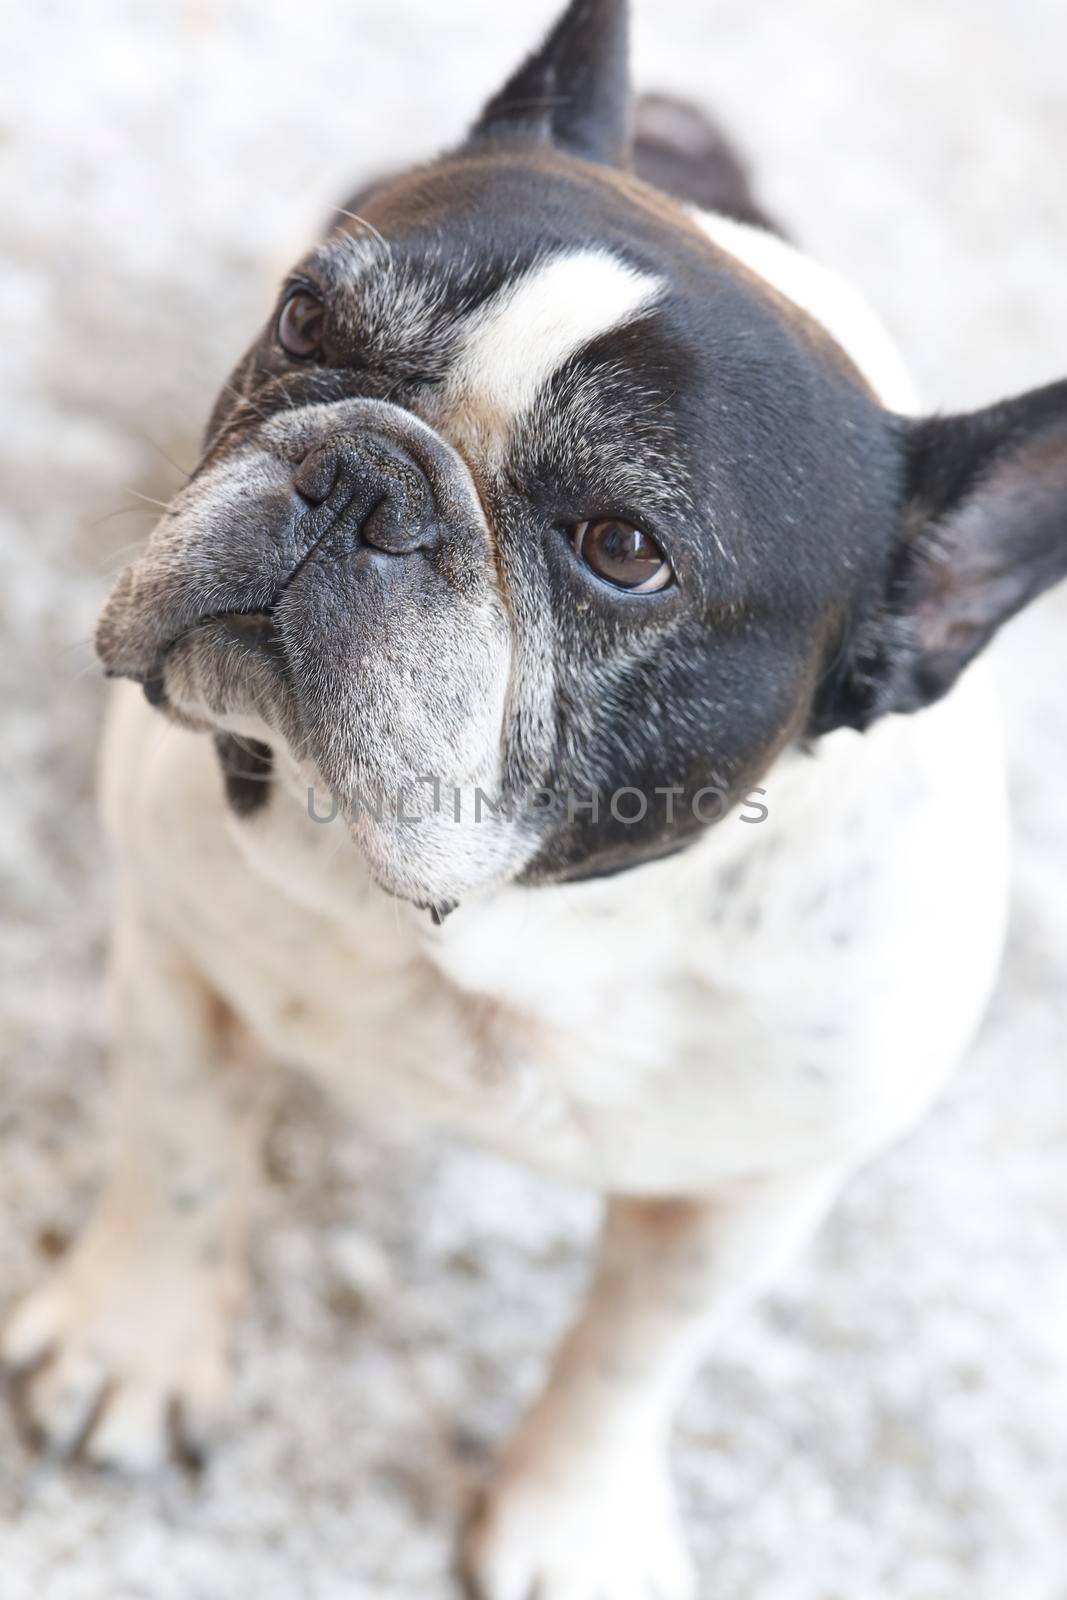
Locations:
{"points": [[122, 1356], [588, 1535]]}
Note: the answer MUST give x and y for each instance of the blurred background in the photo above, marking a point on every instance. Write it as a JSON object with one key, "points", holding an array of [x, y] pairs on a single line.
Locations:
{"points": [[892, 1423]]}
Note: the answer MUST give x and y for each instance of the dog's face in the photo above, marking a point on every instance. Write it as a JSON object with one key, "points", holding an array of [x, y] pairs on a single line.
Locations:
{"points": [[528, 493]]}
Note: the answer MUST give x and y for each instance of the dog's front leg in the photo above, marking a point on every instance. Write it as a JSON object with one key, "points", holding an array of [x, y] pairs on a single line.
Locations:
{"points": [[582, 1506], [125, 1350]]}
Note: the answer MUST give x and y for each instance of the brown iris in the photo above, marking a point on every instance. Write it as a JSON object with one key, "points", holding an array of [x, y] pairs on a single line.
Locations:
{"points": [[301, 324], [622, 555]]}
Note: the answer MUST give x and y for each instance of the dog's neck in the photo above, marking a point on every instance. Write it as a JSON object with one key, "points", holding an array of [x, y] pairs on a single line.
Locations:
{"points": [[808, 796]]}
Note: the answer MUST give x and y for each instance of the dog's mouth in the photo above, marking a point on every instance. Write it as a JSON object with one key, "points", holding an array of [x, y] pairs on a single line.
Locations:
{"points": [[253, 631], [257, 629]]}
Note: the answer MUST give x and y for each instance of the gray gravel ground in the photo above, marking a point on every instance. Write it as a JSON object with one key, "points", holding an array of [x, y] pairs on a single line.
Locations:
{"points": [[891, 1424]]}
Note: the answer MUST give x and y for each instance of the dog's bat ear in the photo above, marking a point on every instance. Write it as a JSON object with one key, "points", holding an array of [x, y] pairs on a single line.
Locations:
{"points": [[574, 92], [983, 532]]}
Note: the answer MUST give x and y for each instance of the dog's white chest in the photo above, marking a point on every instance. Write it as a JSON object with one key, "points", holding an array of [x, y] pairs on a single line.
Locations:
{"points": [[784, 991]]}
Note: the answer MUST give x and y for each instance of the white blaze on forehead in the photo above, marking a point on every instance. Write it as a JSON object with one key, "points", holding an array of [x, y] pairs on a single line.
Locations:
{"points": [[525, 333]]}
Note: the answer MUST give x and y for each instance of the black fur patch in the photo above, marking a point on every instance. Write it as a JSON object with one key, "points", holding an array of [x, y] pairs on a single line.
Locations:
{"points": [[983, 532], [247, 772], [573, 91]]}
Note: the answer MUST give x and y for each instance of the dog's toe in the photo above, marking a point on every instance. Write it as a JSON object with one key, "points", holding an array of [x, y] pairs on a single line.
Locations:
{"points": [[578, 1540], [124, 1365], [59, 1403], [33, 1328], [131, 1434]]}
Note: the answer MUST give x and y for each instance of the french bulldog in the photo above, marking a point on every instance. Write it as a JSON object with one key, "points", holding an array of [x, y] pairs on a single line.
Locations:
{"points": [[568, 643]]}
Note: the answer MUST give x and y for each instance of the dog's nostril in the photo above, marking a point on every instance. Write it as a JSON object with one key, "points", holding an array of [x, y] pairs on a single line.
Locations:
{"points": [[372, 490], [316, 475], [399, 529]]}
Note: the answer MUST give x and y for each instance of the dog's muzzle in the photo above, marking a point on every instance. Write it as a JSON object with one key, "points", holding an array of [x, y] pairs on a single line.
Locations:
{"points": [[330, 483]]}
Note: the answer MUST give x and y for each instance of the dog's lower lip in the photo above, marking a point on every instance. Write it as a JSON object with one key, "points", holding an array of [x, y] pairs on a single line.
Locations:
{"points": [[253, 629], [243, 619], [246, 624]]}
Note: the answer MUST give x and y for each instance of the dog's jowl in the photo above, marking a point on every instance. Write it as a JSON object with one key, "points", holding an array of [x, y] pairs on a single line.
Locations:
{"points": [[569, 636]]}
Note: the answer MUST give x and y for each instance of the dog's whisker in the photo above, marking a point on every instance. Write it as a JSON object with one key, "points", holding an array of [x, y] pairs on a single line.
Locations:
{"points": [[147, 437], [363, 223], [120, 511], [115, 558], [164, 505], [246, 400]]}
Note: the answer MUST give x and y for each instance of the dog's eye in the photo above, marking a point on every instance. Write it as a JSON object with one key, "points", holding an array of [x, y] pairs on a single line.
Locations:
{"points": [[301, 324], [623, 555]]}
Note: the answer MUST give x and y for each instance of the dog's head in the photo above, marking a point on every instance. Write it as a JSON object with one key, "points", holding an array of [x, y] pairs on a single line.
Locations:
{"points": [[530, 492]]}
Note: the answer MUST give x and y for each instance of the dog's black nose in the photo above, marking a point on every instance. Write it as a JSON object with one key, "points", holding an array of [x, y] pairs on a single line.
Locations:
{"points": [[373, 490]]}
